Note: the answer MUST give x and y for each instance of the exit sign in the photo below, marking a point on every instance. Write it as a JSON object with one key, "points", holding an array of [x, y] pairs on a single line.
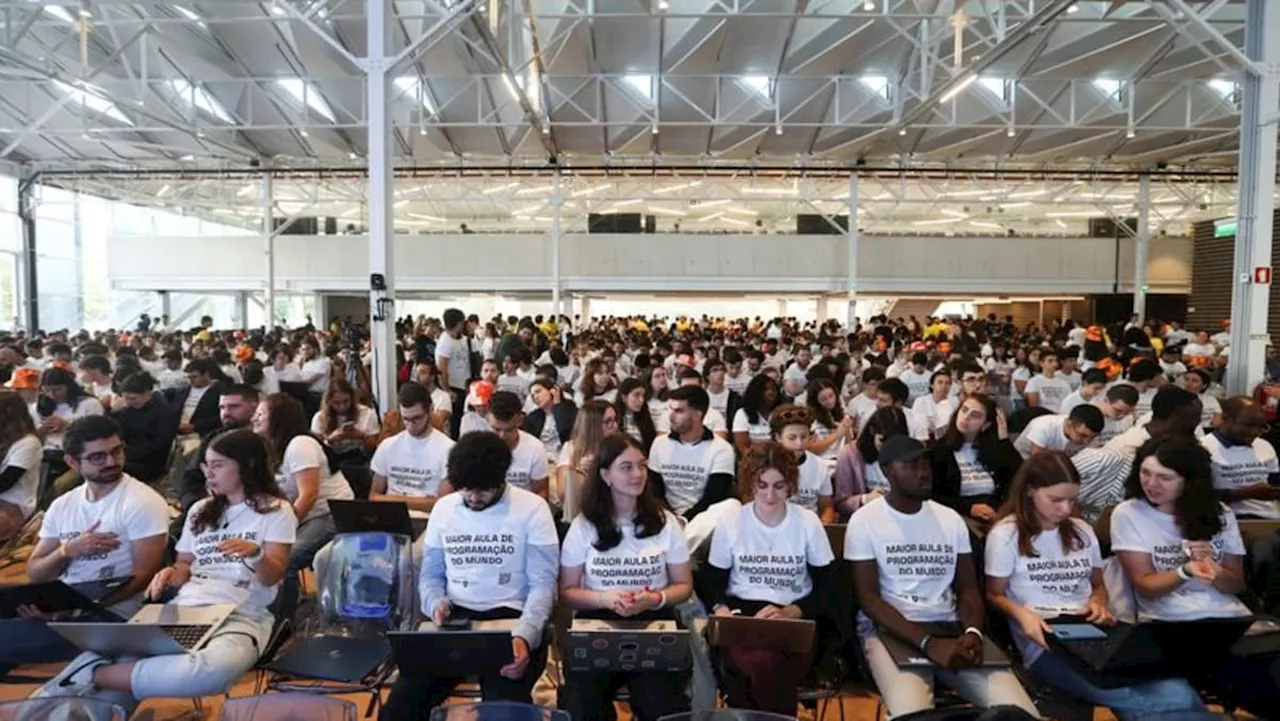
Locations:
{"points": [[1224, 228]]}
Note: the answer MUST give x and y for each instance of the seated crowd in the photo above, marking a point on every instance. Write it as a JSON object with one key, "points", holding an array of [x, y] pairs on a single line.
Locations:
{"points": [[931, 496]]}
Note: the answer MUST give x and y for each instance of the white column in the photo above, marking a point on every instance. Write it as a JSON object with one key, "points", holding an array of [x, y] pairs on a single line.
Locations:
{"points": [[1141, 248], [1256, 190], [557, 207], [381, 183], [269, 249], [585, 312], [782, 308], [242, 310], [166, 305], [851, 257], [820, 311]]}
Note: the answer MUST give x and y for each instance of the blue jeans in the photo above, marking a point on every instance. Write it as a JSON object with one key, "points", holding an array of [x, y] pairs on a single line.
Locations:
{"points": [[1139, 701], [313, 534], [29, 640]]}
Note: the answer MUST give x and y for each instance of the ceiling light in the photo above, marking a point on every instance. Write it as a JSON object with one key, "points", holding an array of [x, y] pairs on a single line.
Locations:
{"points": [[1008, 206], [1010, 132], [1074, 214], [277, 10], [662, 5], [953, 213], [352, 156], [769, 191], [676, 188], [711, 203], [629, 201], [938, 221], [902, 131], [1130, 133], [954, 91], [422, 131], [708, 218], [1073, 9], [869, 6], [187, 158], [85, 13], [777, 129], [983, 224], [589, 191], [302, 132], [666, 211], [740, 211], [498, 188], [735, 221]]}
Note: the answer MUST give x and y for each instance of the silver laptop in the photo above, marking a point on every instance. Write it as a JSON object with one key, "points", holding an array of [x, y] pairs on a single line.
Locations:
{"points": [[155, 630], [597, 645]]}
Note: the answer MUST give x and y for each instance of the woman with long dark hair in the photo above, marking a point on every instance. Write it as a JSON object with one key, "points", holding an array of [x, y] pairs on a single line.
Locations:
{"points": [[858, 479], [1042, 563], [751, 422], [1182, 553], [974, 461], [595, 421], [633, 412], [657, 382], [309, 479], [793, 585], [349, 427], [64, 401], [20, 467], [624, 525], [832, 427], [234, 550], [596, 383]]}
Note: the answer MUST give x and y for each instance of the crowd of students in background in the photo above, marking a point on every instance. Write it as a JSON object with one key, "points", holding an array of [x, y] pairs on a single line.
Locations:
{"points": [[965, 460]]}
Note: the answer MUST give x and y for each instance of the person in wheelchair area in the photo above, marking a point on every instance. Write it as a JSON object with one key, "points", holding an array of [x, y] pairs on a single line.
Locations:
{"points": [[234, 550], [460, 581], [624, 557]]}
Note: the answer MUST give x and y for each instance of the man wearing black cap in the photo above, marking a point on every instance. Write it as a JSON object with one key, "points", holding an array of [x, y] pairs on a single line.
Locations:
{"points": [[914, 574]]}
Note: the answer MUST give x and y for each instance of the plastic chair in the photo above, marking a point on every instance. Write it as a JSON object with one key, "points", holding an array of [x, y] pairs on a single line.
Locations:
{"points": [[63, 708], [497, 711], [727, 714], [288, 707]]}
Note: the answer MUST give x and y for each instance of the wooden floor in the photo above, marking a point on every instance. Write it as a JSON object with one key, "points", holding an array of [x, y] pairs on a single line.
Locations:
{"points": [[856, 704]]}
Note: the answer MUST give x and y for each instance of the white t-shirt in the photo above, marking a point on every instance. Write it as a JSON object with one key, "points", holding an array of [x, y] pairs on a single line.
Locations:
{"points": [[1137, 526], [1072, 400], [1209, 407], [550, 436], [87, 407], [1113, 428], [528, 462], [815, 481], [217, 578], [758, 432], [455, 351], [25, 453], [312, 367], [132, 511], [486, 552], [862, 408], [192, 400], [975, 479], [660, 412], [685, 467], [1021, 373], [1051, 391], [874, 477], [915, 555], [917, 384], [305, 452], [472, 422], [1052, 584], [770, 564], [1199, 350], [797, 375], [1046, 432], [366, 421], [168, 379], [937, 414], [1144, 402], [739, 384], [1240, 466], [441, 402], [1073, 379], [413, 467], [633, 564], [1173, 370], [714, 420], [720, 402], [514, 383]]}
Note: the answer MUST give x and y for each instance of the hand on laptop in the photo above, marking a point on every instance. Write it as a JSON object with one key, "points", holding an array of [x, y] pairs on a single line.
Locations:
{"points": [[945, 652], [91, 542], [969, 648], [168, 577], [26, 610], [791, 612], [440, 613], [1097, 612], [520, 659], [1033, 626]]}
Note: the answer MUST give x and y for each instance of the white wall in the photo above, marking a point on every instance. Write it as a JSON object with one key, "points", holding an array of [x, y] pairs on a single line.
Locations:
{"points": [[652, 263]]}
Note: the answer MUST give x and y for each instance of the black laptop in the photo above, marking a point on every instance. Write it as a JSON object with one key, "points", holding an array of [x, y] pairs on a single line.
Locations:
{"points": [[465, 648], [342, 659], [371, 517], [1152, 649], [58, 596], [907, 656]]}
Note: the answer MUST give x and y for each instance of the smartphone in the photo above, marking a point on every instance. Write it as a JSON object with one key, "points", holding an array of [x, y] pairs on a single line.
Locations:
{"points": [[1078, 632], [456, 623]]}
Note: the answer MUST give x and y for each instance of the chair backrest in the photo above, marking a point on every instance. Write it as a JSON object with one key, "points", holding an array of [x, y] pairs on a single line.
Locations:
{"points": [[368, 587], [288, 707], [61, 707], [497, 711]]}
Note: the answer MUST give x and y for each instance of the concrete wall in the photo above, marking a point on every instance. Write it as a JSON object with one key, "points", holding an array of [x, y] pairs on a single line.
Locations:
{"points": [[653, 263]]}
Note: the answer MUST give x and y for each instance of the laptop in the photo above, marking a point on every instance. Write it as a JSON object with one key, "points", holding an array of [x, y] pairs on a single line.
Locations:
{"points": [[58, 596], [783, 634], [1147, 649], [158, 629], [463, 648], [599, 645], [342, 659], [371, 517], [907, 656]]}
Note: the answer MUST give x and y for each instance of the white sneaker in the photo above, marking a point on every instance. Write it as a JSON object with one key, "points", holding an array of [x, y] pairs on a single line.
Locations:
{"points": [[75, 680]]}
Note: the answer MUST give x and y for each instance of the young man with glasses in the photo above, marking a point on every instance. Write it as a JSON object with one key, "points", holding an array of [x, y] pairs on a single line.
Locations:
{"points": [[112, 527], [491, 552], [528, 467]]}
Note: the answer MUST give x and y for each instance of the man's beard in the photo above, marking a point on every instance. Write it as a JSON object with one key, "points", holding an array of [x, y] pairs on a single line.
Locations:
{"points": [[231, 424], [107, 475]]}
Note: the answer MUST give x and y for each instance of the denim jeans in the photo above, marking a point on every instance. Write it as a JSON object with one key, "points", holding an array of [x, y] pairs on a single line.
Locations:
{"points": [[1143, 700], [29, 640]]}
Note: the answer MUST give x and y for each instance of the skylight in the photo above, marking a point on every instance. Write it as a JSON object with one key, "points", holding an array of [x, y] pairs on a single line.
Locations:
{"points": [[201, 99], [308, 96], [877, 84], [410, 86], [94, 102], [761, 85], [996, 86], [1228, 90], [1111, 87], [58, 12], [642, 84]]}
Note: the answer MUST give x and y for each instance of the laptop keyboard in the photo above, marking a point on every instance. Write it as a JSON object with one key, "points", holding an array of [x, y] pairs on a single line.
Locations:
{"points": [[187, 636], [1092, 647]]}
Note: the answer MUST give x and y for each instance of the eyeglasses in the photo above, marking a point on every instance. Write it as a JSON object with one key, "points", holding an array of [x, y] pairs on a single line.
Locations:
{"points": [[99, 457], [609, 423]]}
